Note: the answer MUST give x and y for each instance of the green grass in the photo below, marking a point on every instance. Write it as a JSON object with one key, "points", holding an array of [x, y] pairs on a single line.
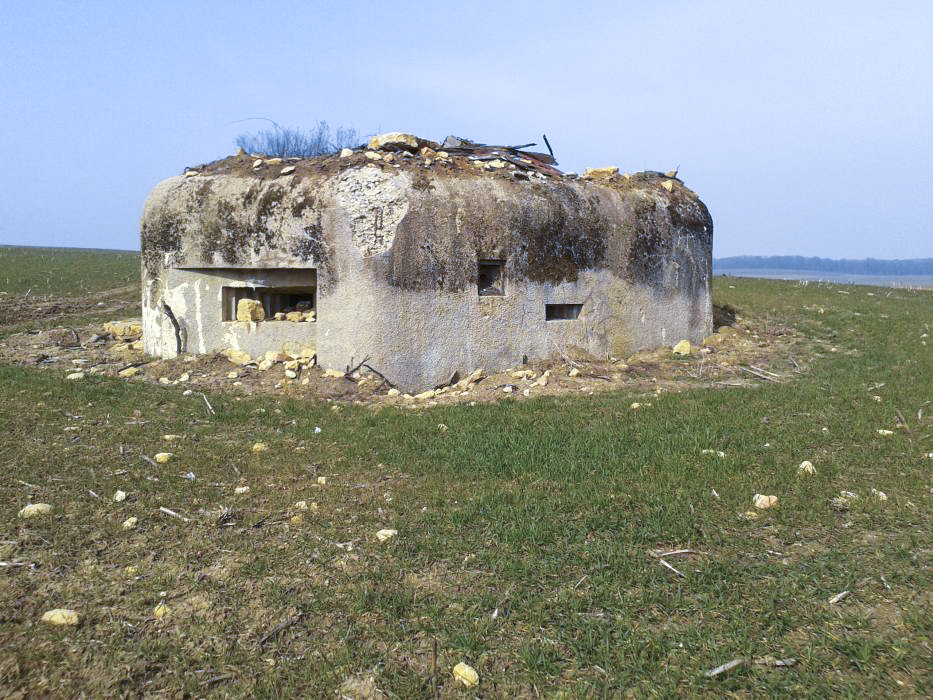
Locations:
{"points": [[526, 532], [65, 271], [44, 287]]}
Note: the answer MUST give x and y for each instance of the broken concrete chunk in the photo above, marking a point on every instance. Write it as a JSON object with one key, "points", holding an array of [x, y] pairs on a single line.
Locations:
{"points": [[394, 141], [601, 173], [35, 510], [334, 373], [129, 372], [75, 375], [287, 170], [61, 616], [373, 155], [393, 392], [265, 364], [119, 496], [250, 310], [346, 152], [295, 316], [291, 374]]}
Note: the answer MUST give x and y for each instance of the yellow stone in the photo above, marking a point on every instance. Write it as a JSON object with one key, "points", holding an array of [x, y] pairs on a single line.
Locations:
{"points": [[394, 138], [334, 373], [250, 310], [466, 674], [763, 502], [163, 457], [683, 348], [35, 510], [130, 523], [386, 534], [601, 173], [161, 611], [129, 372], [237, 357], [668, 185], [295, 316], [124, 330], [260, 447], [61, 616]]}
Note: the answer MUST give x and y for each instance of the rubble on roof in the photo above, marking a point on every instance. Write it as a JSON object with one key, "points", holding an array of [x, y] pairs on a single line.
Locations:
{"points": [[398, 149]]}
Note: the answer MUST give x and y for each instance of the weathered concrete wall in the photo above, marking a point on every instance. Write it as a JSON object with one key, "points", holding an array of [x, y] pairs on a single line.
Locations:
{"points": [[395, 252]]}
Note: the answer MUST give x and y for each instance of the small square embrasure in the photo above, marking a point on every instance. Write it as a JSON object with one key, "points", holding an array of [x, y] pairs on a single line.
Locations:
{"points": [[490, 278]]}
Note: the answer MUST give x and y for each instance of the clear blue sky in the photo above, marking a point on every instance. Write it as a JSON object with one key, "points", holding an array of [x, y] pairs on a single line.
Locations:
{"points": [[806, 127]]}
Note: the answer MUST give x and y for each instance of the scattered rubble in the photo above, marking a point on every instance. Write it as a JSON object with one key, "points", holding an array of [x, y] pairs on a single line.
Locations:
{"points": [[114, 349]]}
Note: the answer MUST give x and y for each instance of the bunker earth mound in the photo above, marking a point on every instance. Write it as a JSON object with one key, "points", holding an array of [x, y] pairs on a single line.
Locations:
{"points": [[743, 351]]}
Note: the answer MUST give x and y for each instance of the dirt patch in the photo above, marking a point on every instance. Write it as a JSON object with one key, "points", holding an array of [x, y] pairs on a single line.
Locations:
{"points": [[18, 309], [744, 351]]}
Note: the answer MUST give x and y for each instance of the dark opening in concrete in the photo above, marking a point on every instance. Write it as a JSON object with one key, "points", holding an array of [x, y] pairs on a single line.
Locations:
{"points": [[562, 312], [490, 278]]}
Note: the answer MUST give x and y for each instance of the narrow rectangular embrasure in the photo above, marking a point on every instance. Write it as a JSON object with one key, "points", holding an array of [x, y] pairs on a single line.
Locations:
{"points": [[562, 312]]}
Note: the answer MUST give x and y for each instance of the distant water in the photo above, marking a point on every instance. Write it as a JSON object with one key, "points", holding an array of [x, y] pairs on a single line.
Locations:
{"points": [[835, 277]]}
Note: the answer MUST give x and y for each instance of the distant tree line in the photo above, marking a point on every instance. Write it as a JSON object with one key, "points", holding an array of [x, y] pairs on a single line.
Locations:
{"points": [[868, 266], [288, 142]]}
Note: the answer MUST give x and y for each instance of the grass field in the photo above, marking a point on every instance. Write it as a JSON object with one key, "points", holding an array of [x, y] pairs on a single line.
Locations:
{"points": [[42, 286], [528, 530]]}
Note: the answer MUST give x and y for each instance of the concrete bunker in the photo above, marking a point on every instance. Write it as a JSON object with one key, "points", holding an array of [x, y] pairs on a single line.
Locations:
{"points": [[422, 259]]}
